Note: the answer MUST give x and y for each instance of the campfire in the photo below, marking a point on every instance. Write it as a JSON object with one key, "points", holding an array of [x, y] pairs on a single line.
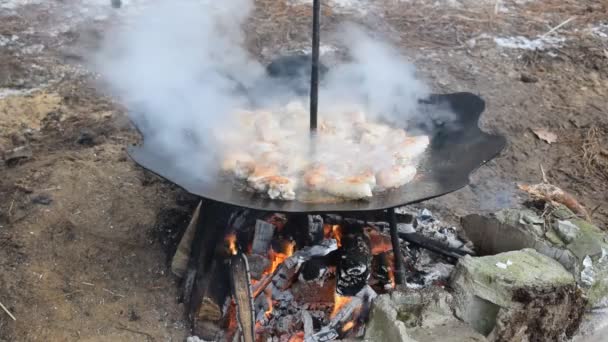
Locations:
{"points": [[298, 277]]}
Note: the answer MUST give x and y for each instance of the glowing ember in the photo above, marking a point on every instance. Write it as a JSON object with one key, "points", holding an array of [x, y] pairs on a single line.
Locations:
{"points": [[337, 232], [297, 337], [349, 325], [268, 294], [339, 303], [390, 259], [379, 242], [231, 240]]}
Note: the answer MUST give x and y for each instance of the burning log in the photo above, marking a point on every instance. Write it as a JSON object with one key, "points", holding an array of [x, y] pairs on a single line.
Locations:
{"points": [[262, 238], [307, 230], [284, 274], [347, 313], [355, 262], [214, 292], [242, 296]]}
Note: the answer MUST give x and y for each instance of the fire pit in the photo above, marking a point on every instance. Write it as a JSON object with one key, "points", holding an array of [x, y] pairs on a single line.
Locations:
{"points": [[255, 268], [314, 271]]}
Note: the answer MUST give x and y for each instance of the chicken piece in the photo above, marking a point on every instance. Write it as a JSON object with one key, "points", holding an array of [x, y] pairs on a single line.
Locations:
{"points": [[350, 188], [411, 148], [243, 170], [396, 176], [257, 178], [364, 177], [281, 188], [231, 160], [315, 177]]}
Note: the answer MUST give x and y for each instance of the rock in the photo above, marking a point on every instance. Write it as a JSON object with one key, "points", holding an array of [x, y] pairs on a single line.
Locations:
{"points": [[383, 324], [420, 316], [42, 199], [86, 138], [568, 239], [512, 230], [566, 230], [526, 78], [535, 298], [17, 154]]}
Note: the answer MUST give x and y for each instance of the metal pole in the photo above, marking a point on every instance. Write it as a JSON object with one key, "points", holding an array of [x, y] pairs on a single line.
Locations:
{"points": [[314, 77], [398, 271]]}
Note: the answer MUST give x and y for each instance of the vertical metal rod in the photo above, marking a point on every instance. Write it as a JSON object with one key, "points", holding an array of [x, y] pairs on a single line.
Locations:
{"points": [[398, 271], [314, 76]]}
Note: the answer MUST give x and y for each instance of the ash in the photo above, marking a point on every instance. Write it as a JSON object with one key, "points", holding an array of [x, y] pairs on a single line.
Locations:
{"points": [[425, 268]]}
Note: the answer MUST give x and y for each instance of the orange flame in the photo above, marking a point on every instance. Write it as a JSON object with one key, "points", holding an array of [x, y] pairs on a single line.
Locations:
{"points": [[297, 337], [231, 240], [391, 272], [277, 258], [337, 232], [339, 303], [349, 325]]}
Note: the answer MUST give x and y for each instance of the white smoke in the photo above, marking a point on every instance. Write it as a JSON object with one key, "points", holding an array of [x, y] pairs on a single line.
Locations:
{"points": [[180, 68]]}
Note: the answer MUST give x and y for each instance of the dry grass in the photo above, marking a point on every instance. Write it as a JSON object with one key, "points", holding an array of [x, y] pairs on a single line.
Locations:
{"points": [[595, 151]]}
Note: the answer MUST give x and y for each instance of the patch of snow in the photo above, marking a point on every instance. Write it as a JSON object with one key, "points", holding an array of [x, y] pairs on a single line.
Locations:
{"points": [[7, 92], [323, 50], [520, 42], [360, 6], [600, 31], [14, 4], [588, 273]]}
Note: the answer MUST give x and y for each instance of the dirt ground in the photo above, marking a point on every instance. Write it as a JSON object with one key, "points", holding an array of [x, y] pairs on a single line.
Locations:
{"points": [[85, 233]]}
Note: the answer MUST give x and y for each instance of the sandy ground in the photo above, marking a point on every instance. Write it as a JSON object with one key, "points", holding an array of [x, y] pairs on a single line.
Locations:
{"points": [[84, 232]]}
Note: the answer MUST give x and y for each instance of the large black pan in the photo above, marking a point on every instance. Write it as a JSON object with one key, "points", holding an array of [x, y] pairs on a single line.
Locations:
{"points": [[456, 150]]}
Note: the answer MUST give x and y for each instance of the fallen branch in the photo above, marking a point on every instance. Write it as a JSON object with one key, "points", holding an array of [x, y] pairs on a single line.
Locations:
{"points": [[7, 312], [125, 328]]}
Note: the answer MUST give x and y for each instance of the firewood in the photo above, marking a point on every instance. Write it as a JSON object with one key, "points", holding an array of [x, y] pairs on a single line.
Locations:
{"points": [[284, 274], [355, 262], [214, 292], [179, 263], [241, 291], [262, 237]]}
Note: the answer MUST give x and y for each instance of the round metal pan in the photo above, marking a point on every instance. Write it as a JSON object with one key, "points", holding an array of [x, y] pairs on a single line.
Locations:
{"points": [[456, 151]]}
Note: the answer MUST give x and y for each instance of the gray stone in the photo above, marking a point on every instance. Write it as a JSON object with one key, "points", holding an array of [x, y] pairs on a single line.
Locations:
{"points": [[566, 230], [383, 324], [420, 316], [533, 298]]}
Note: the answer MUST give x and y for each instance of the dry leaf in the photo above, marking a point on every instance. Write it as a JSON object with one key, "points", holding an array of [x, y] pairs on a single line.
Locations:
{"points": [[545, 135]]}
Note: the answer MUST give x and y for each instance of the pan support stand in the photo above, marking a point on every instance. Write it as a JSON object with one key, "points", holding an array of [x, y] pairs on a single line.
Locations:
{"points": [[398, 265]]}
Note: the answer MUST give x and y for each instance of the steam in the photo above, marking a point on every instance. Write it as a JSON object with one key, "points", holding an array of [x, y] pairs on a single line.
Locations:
{"points": [[181, 68]]}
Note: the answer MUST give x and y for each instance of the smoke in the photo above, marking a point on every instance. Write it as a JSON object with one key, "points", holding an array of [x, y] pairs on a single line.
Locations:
{"points": [[182, 70]]}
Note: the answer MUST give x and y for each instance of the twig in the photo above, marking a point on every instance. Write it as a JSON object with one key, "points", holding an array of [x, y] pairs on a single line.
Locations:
{"points": [[7, 312], [10, 208], [558, 26], [594, 210], [113, 293], [123, 327], [542, 171]]}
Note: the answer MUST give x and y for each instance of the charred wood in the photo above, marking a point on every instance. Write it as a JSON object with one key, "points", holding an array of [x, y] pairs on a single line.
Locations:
{"points": [[213, 292], [416, 239], [306, 230], [257, 265], [355, 262], [262, 237], [241, 292], [179, 264]]}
